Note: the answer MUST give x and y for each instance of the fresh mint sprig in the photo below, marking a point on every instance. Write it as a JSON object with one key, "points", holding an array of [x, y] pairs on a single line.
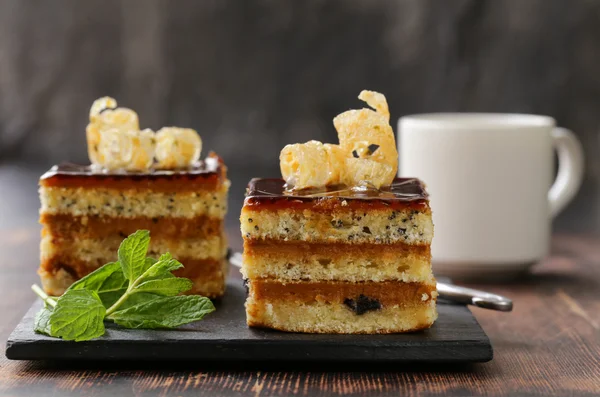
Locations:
{"points": [[134, 292]]}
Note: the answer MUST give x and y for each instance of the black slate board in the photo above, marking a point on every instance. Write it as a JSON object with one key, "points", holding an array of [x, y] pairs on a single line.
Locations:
{"points": [[455, 337]]}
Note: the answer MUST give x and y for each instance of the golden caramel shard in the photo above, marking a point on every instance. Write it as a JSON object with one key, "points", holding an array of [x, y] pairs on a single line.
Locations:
{"points": [[130, 150], [368, 140], [115, 141], [144, 143], [100, 105], [105, 115], [367, 152], [311, 164], [377, 101], [369, 172], [114, 148], [177, 147]]}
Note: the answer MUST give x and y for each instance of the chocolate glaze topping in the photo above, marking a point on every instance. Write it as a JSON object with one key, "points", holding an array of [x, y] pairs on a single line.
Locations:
{"points": [[401, 190], [206, 167], [205, 175]]}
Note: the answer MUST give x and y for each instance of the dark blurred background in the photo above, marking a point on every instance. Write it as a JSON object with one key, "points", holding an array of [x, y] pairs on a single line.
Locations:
{"points": [[252, 75]]}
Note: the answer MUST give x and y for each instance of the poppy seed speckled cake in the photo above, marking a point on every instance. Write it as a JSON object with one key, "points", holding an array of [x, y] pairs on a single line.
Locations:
{"points": [[340, 245]]}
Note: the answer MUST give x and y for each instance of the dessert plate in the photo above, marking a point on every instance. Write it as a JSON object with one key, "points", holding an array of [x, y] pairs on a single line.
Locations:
{"points": [[455, 337]]}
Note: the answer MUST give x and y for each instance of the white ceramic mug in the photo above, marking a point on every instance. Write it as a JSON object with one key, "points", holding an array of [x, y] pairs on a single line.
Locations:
{"points": [[489, 177]]}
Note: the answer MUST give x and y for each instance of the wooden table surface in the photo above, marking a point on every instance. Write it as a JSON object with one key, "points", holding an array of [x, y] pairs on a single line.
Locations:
{"points": [[549, 344]]}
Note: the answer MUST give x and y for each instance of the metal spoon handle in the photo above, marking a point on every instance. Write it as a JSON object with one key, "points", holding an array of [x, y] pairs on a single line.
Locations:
{"points": [[454, 293], [474, 297]]}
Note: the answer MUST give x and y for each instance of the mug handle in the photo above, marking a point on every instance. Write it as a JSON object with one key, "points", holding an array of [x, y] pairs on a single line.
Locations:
{"points": [[570, 169]]}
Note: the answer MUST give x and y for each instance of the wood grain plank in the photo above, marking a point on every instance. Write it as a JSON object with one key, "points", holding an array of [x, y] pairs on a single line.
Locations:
{"points": [[549, 345]]}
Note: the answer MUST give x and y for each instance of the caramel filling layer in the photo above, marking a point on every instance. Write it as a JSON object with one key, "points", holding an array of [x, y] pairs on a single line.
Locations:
{"points": [[386, 293], [205, 282], [303, 249], [98, 226], [168, 185], [207, 269]]}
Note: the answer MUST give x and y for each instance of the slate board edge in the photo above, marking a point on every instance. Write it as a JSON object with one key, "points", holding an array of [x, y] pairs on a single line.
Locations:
{"points": [[447, 351], [39, 347]]}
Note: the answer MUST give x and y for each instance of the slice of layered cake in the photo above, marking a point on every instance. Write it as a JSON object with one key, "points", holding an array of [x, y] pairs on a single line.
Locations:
{"points": [[349, 256], [137, 180]]}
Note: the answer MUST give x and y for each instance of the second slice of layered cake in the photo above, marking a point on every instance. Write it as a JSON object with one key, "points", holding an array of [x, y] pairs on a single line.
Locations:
{"points": [[340, 245], [338, 260]]}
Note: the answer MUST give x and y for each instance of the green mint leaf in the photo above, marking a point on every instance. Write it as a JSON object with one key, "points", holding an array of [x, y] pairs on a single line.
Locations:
{"points": [[78, 315], [169, 286], [136, 299], [165, 256], [132, 254], [96, 279], [110, 296], [108, 281], [156, 270], [41, 324], [166, 312], [164, 266], [148, 264]]}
